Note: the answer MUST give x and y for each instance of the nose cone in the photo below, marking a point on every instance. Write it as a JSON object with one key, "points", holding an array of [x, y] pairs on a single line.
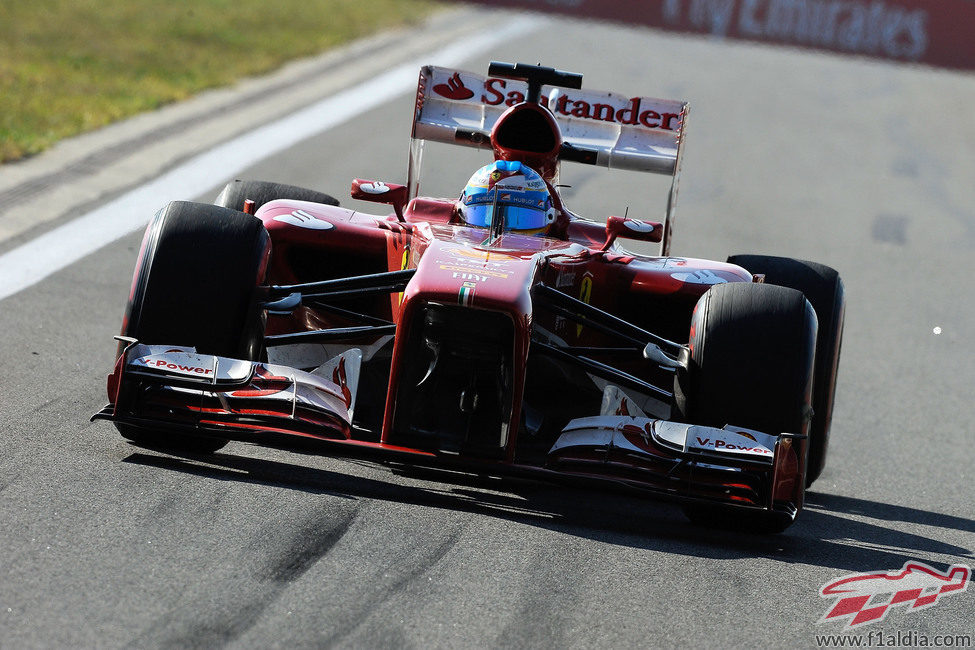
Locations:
{"points": [[453, 273]]}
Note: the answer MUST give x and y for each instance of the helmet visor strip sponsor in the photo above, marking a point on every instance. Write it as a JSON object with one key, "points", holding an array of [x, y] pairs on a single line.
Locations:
{"points": [[480, 209]]}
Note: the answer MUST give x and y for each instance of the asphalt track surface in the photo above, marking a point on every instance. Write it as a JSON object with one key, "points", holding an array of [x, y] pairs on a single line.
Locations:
{"points": [[863, 166]]}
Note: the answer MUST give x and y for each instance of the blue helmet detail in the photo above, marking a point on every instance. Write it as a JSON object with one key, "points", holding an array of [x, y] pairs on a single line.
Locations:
{"points": [[509, 190]]}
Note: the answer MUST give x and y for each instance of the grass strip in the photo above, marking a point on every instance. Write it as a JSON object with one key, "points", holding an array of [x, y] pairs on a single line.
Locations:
{"points": [[68, 66]]}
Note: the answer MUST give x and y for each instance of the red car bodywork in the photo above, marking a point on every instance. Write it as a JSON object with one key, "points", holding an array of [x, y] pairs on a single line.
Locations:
{"points": [[456, 278]]}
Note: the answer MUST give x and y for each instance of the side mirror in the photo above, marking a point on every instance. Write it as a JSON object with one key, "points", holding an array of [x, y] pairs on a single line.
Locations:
{"points": [[632, 229], [380, 192]]}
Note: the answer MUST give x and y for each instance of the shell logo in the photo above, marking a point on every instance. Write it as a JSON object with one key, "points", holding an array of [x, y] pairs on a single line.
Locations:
{"points": [[585, 293]]}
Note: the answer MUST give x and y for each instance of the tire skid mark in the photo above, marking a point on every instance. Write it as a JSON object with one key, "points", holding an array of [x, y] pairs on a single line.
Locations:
{"points": [[173, 506], [307, 547], [359, 614], [226, 605], [540, 614], [931, 175], [166, 508]]}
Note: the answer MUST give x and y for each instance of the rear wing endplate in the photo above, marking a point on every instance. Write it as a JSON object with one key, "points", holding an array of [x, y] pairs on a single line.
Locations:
{"points": [[598, 128]]}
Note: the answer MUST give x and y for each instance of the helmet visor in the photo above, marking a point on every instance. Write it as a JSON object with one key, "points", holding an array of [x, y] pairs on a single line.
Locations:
{"points": [[516, 217]]}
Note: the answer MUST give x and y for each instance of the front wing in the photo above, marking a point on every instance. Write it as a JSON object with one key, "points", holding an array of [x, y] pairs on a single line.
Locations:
{"points": [[172, 388]]}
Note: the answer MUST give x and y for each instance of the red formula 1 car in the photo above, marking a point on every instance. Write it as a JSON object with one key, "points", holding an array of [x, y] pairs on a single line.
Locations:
{"points": [[497, 333]]}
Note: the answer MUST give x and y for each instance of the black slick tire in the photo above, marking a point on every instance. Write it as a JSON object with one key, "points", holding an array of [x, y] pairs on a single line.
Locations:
{"points": [[823, 288], [194, 285], [752, 353]]}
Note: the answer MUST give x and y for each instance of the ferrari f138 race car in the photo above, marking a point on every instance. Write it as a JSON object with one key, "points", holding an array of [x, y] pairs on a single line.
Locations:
{"points": [[499, 333]]}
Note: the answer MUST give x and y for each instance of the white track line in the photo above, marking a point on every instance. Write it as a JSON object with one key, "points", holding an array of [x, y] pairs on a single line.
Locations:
{"points": [[30, 263]]}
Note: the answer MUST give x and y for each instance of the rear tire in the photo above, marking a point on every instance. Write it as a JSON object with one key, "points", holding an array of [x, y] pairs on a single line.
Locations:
{"points": [[260, 192], [752, 353], [194, 285], [823, 288]]}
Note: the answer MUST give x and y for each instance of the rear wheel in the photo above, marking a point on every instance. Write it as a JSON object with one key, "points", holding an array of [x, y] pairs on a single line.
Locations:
{"points": [[823, 288], [260, 192], [194, 285], [752, 352]]}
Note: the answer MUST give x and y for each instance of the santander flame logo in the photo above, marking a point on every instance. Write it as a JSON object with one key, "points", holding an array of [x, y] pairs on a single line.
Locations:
{"points": [[865, 598], [454, 88]]}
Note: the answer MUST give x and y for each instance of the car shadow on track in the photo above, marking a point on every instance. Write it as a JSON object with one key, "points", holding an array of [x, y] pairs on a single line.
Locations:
{"points": [[886, 511], [830, 533]]}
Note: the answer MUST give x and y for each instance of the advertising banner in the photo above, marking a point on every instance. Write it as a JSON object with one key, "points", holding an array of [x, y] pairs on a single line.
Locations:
{"points": [[933, 32]]}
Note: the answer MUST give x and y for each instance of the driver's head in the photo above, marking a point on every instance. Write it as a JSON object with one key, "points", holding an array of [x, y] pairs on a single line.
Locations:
{"points": [[510, 191]]}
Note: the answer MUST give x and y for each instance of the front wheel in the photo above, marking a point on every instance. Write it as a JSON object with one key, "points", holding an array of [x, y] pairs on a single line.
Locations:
{"points": [[194, 285], [823, 289], [752, 352]]}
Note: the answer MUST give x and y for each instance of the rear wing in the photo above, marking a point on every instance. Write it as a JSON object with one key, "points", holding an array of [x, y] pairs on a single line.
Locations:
{"points": [[598, 128]]}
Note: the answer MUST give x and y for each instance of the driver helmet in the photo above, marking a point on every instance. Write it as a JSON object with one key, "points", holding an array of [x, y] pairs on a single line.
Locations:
{"points": [[517, 192]]}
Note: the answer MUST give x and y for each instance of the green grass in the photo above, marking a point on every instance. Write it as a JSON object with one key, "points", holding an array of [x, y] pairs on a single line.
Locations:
{"points": [[68, 66]]}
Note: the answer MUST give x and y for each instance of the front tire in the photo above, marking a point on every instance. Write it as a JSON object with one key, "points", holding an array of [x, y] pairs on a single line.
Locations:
{"points": [[823, 288], [752, 353], [194, 285]]}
